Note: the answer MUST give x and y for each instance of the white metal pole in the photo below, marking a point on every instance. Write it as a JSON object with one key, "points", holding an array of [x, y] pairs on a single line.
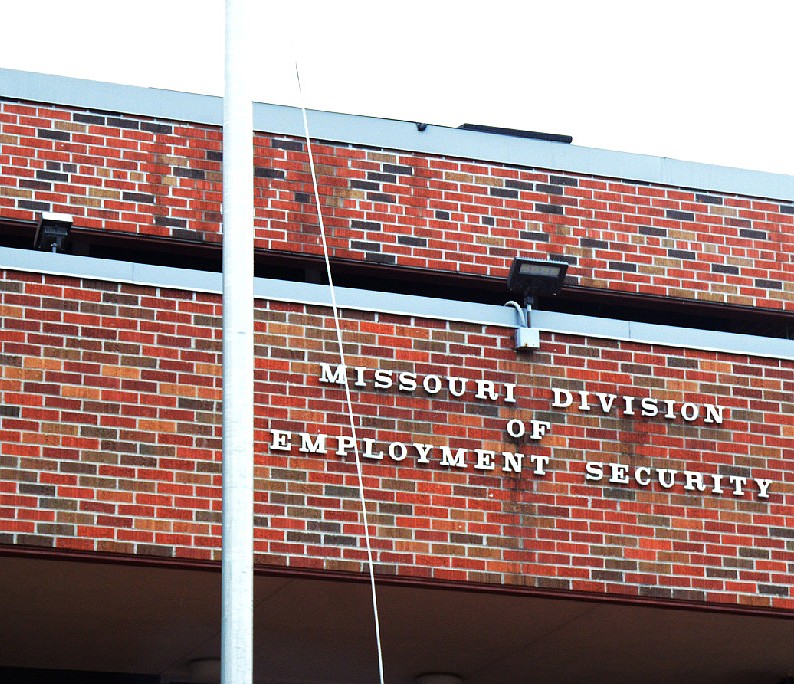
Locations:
{"points": [[238, 354]]}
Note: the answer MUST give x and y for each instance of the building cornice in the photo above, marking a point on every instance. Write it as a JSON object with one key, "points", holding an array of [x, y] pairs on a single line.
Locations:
{"points": [[310, 294], [403, 136]]}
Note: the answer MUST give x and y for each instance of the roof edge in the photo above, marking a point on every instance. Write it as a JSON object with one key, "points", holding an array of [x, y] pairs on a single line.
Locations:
{"points": [[403, 136]]}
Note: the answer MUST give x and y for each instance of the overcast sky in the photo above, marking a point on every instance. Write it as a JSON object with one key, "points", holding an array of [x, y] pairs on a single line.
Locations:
{"points": [[700, 80]]}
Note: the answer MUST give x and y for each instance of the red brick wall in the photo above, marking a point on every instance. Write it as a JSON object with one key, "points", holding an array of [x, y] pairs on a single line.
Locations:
{"points": [[124, 173], [109, 441]]}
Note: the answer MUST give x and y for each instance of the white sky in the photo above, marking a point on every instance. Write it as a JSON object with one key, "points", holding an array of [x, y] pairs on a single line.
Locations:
{"points": [[700, 80]]}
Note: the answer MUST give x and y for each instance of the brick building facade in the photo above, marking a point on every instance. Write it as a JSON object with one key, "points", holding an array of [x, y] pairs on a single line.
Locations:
{"points": [[615, 505]]}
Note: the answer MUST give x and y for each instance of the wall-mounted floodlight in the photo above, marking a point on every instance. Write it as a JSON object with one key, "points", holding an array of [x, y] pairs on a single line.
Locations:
{"points": [[530, 278], [52, 232]]}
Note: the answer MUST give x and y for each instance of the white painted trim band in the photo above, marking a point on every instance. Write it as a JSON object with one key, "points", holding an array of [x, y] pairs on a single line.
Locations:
{"points": [[311, 294]]}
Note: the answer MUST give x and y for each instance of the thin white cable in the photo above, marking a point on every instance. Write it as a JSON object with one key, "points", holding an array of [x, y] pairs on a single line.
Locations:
{"points": [[335, 308]]}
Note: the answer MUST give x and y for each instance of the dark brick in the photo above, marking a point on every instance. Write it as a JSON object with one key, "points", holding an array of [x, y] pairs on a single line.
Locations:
{"points": [[689, 595], [592, 242], [750, 552], [381, 197], [10, 411], [265, 172], [37, 489], [722, 268], [753, 234], [607, 575], [680, 215], [142, 197], [553, 583], [191, 235], [503, 192], [196, 174], [549, 208], [118, 122], [534, 235], [708, 199], [549, 189], [652, 232], [676, 362], [386, 259], [34, 206], [399, 169], [294, 145], [484, 410], [303, 197], [34, 185], [656, 592], [769, 284], [412, 241], [51, 176], [53, 135], [339, 540], [364, 185], [78, 468], [322, 526], [366, 225], [787, 208], [34, 540], [565, 180], [366, 246], [487, 220], [89, 119], [214, 155], [340, 492], [381, 177], [395, 509], [623, 266], [154, 550], [171, 222], [681, 253], [773, 590], [442, 215], [304, 537], [738, 471], [156, 127], [570, 260], [519, 185], [56, 529], [620, 493]]}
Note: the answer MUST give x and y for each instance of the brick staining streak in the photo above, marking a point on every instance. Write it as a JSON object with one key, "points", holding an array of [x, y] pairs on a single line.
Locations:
{"points": [[163, 178]]}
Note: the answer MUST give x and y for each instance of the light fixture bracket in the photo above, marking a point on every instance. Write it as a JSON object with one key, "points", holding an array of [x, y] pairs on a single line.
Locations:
{"points": [[52, 232], [530, 278]]}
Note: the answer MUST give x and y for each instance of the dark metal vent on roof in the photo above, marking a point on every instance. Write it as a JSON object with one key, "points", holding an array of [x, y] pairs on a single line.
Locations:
{"points": [[516, 133]]}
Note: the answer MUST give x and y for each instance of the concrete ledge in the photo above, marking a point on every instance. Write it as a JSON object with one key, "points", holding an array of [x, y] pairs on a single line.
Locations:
{"points": [[397, 304]]}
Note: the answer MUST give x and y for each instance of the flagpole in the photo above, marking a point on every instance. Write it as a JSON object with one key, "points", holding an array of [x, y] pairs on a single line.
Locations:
{"points": [[238, 353]]}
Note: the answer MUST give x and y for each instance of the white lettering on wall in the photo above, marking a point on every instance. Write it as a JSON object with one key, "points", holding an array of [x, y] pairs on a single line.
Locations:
{"points": [[650, 407]]}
